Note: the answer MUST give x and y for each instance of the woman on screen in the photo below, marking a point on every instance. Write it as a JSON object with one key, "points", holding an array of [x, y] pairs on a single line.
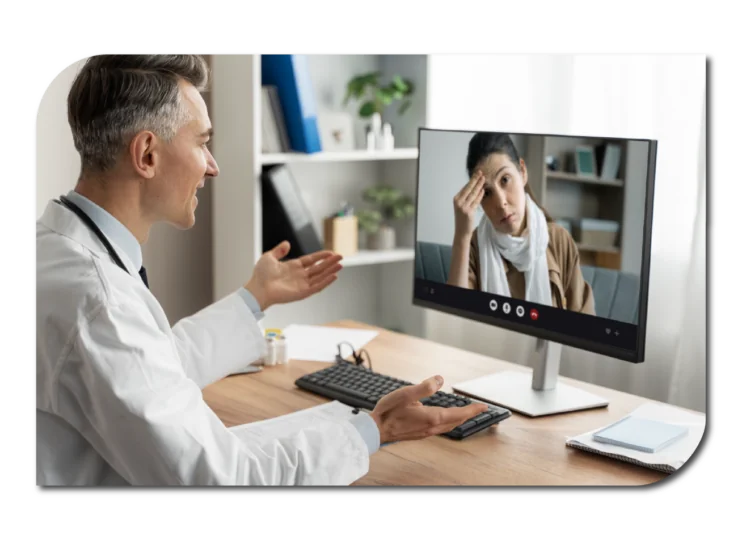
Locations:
{"points": [[516, 250]]}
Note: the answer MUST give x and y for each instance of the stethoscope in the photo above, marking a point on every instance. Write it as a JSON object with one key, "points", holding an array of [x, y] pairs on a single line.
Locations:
{"points": [[102, 237]]}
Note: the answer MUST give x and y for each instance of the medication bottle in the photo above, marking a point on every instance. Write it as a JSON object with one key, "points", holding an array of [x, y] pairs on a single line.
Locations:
{"points": [[281, 350], [270, 355], [371, 140], [387, 137]]}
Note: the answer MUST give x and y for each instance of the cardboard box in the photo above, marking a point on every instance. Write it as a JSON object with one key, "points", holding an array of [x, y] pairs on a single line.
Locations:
{"points": [[597, 232], [341, 235]]}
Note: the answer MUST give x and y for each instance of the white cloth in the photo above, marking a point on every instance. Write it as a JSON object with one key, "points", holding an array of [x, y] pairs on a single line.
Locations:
{"points": [[527, 253], [118, 391]]}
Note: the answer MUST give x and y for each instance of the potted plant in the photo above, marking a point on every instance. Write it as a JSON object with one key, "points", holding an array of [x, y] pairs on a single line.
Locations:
{"points": [[375, 96], [376, 223]]}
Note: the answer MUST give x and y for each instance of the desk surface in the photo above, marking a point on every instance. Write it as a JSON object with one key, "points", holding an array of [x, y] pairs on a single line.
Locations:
{"points": [[518, 451]]}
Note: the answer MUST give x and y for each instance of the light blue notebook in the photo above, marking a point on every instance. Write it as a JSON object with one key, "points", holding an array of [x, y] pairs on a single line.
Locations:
{"points": [[641, 434]]}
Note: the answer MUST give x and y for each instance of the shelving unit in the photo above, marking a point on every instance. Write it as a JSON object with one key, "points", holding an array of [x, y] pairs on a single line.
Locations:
{"points": [[367, 257], [372, 287], [571, 177], [329, 157], [571, 196]]}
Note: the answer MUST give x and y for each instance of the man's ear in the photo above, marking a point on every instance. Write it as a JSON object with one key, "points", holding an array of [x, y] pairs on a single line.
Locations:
{"points": [[143, 151]]}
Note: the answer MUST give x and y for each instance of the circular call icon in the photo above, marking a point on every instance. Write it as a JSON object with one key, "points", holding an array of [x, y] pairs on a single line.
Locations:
{"points": [[506, 308], [493, 304], [519, 311], [534, 314]]}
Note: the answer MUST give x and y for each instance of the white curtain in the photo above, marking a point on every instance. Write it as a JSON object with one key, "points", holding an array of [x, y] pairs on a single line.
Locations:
{"points": [[688, 382], [652, 97]]}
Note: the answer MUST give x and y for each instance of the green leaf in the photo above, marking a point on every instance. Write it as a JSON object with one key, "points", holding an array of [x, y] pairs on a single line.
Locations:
{"points": [[399, 84], [356, 87], [371, 78], [392, 203], [369, 220], [385, 96], [367, 109], [405, 105]]}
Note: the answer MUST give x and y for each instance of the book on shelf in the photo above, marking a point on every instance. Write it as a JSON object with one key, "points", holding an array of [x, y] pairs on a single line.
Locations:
{"points": [[285, 216], [273, 127], [608, 157], [289, 73]]}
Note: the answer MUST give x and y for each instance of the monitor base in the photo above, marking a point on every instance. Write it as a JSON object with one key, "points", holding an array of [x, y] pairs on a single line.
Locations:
{"points": [[514, 390]]}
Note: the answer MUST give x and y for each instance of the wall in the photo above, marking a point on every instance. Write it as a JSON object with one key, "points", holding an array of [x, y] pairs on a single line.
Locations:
{"points": [[57, 161], [178, 262]]}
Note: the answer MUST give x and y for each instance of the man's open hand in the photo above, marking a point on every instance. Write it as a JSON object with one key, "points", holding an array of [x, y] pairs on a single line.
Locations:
{"points": [[279, 282], [400, 415]]}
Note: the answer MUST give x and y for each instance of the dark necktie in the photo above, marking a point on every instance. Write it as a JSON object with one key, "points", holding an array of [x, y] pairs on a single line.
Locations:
{"points": [[143, 275]]}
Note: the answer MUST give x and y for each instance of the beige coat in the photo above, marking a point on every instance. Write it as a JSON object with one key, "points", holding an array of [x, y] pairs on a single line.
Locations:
{"points": [[569, 290]]}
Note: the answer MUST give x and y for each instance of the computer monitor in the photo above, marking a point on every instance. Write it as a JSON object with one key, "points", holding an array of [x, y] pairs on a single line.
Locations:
{"points": [[548, 235]]}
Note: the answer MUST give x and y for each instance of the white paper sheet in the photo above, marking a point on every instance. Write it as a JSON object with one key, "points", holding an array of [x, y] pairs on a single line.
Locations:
{"points": [[320, 343], [673, 457], [288, 424]]}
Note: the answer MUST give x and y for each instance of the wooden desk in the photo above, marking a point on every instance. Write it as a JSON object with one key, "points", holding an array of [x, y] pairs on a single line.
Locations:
{"points": [[518, 451]]}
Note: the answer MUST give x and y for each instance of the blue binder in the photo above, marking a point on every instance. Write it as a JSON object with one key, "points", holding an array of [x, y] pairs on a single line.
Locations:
{"points": [[289, 73]]}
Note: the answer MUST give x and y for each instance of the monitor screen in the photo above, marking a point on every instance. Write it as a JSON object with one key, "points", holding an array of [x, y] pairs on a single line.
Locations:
{"points": [[544, 234]]}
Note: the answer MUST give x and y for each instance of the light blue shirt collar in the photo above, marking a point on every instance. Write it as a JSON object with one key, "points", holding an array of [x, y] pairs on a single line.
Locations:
{"points": [[114, 230]]}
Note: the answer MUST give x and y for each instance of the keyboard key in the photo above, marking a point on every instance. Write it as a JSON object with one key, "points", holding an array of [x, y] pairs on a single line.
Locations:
{"points": [[347, 391], [467, 425]]}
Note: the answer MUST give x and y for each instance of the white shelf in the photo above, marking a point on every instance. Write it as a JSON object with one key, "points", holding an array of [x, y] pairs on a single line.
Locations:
{"points": [[351, 155], [559, 175], [366, 257]]}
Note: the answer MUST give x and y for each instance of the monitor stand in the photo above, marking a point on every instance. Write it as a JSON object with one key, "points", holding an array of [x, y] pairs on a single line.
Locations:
{"points": [[539, 394]]}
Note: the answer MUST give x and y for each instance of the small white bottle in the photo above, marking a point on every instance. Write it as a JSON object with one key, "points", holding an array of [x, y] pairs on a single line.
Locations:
{"points": [[270, 356], [279, 346], [376, 130], [387, 137], [370, 140]]}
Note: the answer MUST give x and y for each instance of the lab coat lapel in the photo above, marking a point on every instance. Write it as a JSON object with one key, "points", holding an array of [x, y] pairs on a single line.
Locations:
{"points": [[64, 222]]}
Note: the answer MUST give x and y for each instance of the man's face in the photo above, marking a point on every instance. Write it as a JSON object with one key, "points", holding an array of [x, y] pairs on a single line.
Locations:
{"points": [[185, 164]]}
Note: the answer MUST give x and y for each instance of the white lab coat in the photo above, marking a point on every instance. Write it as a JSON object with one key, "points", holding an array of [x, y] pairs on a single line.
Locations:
{"points": [[118, 391]]}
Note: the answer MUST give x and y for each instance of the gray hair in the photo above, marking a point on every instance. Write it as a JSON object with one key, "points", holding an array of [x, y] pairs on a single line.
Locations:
{"points": [[114, 97]]}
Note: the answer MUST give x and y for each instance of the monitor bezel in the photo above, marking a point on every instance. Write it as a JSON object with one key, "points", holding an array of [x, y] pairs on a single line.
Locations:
{"points": [[638, 355]]}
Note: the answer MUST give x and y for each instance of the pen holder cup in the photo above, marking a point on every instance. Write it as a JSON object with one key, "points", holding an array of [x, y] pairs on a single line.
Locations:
{"points": [[341, 235]]}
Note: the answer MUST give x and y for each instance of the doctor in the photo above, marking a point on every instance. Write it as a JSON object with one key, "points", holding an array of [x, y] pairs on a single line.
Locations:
{"points": [[118, 395]]}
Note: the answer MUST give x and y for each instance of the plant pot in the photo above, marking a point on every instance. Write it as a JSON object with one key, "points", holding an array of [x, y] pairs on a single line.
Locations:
{"points": [[384, 238]]}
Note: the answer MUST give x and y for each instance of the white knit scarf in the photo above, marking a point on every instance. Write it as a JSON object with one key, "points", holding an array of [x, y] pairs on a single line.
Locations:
{"points": [[527, 253]]}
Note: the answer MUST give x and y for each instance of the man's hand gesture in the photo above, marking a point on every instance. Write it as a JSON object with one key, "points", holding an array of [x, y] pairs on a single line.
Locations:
{"points": [[400, 415], [280, 282]]}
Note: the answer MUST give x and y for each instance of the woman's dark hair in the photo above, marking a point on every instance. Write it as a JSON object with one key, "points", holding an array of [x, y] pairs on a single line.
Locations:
{"points": [[484, 144]]}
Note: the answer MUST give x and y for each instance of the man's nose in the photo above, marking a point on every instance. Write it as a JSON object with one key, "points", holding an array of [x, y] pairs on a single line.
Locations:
{"points": [[212, 169]]}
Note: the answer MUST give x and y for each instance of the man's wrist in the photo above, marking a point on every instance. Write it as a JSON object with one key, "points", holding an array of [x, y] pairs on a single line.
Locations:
{"points": [[257, 292]]}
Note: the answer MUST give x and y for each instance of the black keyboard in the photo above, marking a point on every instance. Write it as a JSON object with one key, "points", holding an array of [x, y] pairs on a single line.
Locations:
{"points": [[358, 387]]}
